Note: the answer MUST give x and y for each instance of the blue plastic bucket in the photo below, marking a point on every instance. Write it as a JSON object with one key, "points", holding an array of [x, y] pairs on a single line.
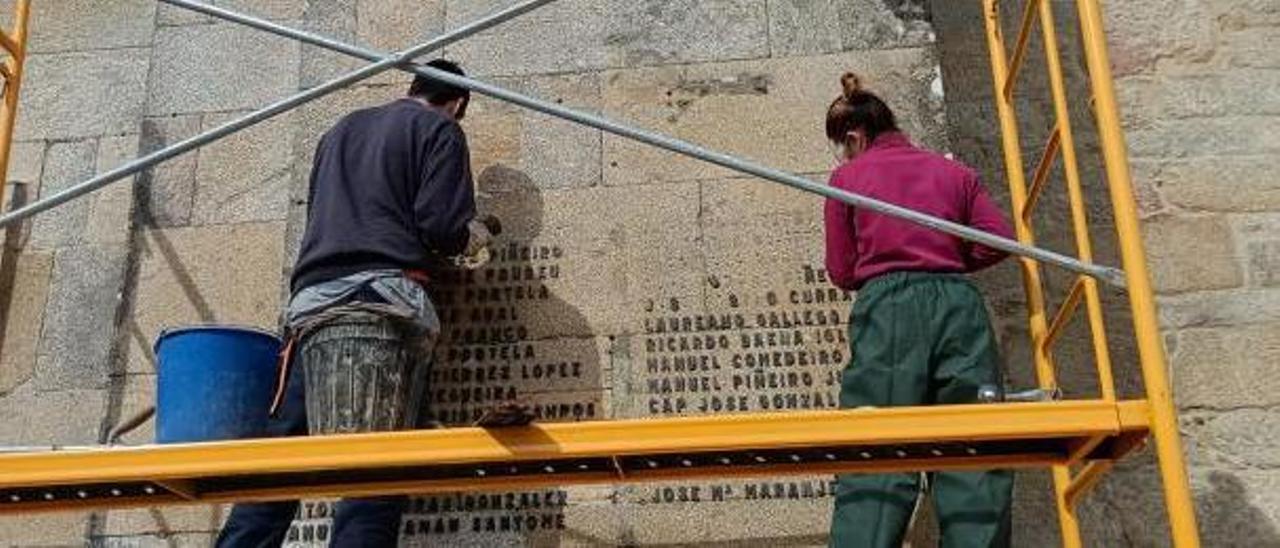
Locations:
{"points": [[214, 383]]}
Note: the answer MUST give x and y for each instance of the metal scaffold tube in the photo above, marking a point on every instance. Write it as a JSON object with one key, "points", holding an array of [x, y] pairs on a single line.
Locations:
{"points": [[383, 64], [1179, 501], [1108, 275], [383, 61]]}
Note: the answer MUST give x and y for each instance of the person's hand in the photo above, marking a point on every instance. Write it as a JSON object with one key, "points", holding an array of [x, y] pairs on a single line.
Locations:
{"points": [[483, 229]]}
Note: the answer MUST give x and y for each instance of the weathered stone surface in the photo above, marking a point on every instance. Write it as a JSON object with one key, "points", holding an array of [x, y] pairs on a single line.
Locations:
{"points": [[1234, 507], [1221, 135], [579, 516], [111, 211], [1147, 188], [24, 314], [268, 9], [799, 27], [79, 324], [579, 35], [771, 352], [760, 208], [132, 393], [552, 152], [654, 32], [564, 365], [396, 25], [1224, 183], [99, 218], [797, 259], [592, 264], [1260, 247], [245, 177], [195, 71], [295, 228], [1236, 15], [1248, 48], [224, 274], [1227, 367], [45, 529], [660, 259], [168, 189], [796, 522], [1245, 92], [192, 522], [75, 25], [14, 409], [1264, 263], [335, 19], [1220, 308], [1238, 503], [561, 380], [1159, 29], [1192, 253], [26, 162], [67, 164], [65, 417], [765, 110], [1242, 438], [803, 27], [85, 94], [560, 37], [176, 540]]}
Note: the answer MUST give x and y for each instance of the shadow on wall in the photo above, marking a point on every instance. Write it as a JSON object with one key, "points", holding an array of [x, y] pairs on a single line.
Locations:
{"points": [[508, 301], [145, 242], [1225, 512], [500, 323], [1128, 510]]}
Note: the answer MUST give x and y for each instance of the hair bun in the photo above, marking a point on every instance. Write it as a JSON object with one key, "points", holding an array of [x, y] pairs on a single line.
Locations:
{"points": [[851, 83]]}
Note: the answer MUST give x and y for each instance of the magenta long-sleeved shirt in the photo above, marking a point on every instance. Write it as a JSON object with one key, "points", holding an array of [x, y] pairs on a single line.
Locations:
{"points": [[863, 244]]}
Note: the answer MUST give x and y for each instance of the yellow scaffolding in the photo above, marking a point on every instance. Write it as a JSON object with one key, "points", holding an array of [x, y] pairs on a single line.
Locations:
{"points": [[1163, 418], [1080, 440], [476, 459], [14, 44]]}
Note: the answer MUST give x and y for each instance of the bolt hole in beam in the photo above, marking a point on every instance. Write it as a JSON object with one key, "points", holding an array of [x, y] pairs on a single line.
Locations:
{"points": [[499, 475]]}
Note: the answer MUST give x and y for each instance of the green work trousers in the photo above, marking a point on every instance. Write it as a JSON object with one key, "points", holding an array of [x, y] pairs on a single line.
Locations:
{"points": [[920, 339]]}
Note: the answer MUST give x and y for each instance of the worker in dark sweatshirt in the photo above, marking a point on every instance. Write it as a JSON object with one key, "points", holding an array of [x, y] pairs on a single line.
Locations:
{"points": [[390, 195], [920, 334]]}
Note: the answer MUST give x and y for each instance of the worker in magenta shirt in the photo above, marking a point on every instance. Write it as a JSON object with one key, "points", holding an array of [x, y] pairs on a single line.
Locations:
{"points": [[919, 330]]}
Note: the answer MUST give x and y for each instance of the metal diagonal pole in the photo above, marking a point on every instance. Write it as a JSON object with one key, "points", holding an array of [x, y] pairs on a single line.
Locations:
{"points": [[1109, 275], [383, 64]]}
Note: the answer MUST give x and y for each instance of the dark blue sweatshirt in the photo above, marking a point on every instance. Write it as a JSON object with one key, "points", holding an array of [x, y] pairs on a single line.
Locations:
{"points": [[390, 188]]}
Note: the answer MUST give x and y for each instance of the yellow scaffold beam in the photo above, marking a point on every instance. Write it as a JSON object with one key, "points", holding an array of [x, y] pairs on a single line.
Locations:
{"points": [[475, 459]]}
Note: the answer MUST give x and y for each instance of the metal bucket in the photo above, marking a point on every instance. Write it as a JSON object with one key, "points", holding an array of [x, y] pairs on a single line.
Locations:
{"points": [[362, 375]]}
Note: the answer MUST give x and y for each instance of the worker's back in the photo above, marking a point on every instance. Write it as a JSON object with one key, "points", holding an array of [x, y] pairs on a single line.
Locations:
{"points": [[895, 171], [390, 187]]}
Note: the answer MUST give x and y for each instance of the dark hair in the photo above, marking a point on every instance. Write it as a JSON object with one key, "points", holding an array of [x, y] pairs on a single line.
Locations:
{"points": [[437, 92], [858, 109]]}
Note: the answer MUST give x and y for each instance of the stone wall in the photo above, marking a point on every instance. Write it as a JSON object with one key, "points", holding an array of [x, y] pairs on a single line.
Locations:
{"points": [[610, 243], [1198, 99], [1202, 102]]}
